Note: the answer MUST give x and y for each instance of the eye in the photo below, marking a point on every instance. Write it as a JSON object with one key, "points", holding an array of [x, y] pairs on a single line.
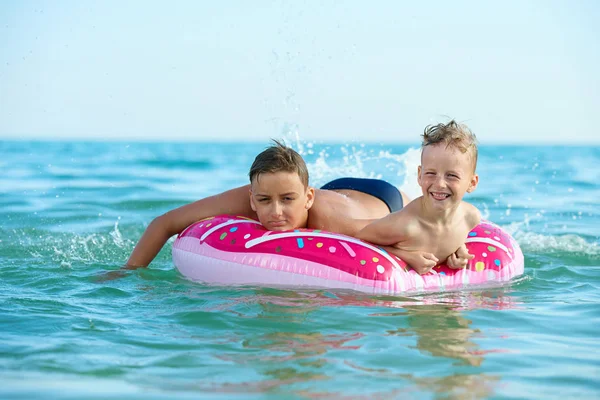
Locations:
{"points": [[263, 200]]}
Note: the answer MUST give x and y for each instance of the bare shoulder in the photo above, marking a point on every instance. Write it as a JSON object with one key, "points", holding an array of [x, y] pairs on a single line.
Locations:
{"points": [[411, 212], [322, 214], [410, 217], [324, 201], [472, 214], [333, 212], [404, 222]]}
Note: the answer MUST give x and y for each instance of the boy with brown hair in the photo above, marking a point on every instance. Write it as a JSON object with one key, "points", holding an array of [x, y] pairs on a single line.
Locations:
{"points": [[281, 199]]}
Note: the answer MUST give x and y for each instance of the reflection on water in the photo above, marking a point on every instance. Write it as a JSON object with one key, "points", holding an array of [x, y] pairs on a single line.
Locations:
{"points": [[286, 358], [443, 331], [459, 386], [292, 353]]}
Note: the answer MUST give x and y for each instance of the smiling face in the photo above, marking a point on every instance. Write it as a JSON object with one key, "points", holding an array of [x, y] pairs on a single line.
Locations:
{"points": [[281, 200], [445, 175]]}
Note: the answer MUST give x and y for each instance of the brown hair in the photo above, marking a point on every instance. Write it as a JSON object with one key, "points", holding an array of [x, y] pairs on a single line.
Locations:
{"points": [[278, 158], [452, 134]]}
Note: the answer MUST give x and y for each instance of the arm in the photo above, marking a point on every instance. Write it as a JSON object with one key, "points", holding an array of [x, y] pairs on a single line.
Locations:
{"points": [[393, 229], [385, 231], [460, 258], [234, 201]]}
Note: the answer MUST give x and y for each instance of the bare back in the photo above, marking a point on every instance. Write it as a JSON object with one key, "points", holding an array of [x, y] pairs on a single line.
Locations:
{"points": [[344, 211]]}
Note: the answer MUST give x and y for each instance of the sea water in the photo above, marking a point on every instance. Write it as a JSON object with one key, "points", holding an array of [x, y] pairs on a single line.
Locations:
{"points": [[71, 211]]}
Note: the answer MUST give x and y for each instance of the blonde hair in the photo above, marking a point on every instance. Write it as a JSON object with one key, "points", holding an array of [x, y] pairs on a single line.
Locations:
{"points": [[279, 158], [454, 135]]}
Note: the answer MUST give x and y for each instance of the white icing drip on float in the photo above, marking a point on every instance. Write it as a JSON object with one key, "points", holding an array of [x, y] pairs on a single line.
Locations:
{"points": [[489, 241], [254, 242], [348, 249]]}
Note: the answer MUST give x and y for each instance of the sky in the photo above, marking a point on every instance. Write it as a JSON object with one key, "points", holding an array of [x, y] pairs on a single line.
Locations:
{"points": [[513, 71]]}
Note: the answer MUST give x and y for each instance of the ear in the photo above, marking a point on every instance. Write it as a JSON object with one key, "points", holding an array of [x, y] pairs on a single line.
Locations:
{"points": [[419, 175], [310, 197], [473, 183], [252, 205]]}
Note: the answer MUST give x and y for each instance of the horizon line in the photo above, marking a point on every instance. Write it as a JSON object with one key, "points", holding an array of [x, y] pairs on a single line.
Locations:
{"points": [[96, 139]]}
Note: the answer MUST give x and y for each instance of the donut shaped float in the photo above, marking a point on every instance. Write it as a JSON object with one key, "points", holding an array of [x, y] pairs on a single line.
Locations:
{"points": [[229, 250]]}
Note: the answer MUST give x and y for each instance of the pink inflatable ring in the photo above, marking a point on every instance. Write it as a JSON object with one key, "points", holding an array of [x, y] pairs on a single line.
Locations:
{"points": [[232, 250]]}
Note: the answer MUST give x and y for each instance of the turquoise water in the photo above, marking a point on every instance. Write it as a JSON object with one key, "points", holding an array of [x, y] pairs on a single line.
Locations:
{"points": [[71, 211]]}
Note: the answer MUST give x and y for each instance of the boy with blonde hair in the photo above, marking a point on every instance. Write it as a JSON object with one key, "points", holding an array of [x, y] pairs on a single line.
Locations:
{"points": [[439, 220]]}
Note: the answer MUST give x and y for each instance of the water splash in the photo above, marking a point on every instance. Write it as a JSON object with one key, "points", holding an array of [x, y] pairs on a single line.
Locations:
{"points": [[356, 161], [291, 136], [66, 248], [353, 163], [116, 235], [407, 166]]}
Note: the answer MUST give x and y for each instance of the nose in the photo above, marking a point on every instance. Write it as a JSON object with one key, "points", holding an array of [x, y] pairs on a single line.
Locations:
{"points": [[440, 182], [277, 208]]}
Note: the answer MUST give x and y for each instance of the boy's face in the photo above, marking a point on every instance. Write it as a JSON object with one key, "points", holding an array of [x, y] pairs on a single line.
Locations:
{"points": [[280, 200], [445, 175]]}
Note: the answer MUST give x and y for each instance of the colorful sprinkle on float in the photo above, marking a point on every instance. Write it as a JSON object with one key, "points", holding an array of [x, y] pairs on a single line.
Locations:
{"points": [[239, 251]]}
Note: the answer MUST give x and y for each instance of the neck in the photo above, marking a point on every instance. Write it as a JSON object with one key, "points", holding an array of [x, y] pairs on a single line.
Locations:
{"points": [[304, 221], [435, 216]]}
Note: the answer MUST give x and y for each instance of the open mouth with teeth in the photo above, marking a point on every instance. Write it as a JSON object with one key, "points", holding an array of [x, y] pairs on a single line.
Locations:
{"points": [[439, 196]]}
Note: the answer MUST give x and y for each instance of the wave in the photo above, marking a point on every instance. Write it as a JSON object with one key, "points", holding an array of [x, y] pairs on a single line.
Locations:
{"points": [[564, 244]]}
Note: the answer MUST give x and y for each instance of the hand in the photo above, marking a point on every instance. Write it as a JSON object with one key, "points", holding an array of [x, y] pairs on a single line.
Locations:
{"points": [[460, 258], [421, 261], [112, 275]]}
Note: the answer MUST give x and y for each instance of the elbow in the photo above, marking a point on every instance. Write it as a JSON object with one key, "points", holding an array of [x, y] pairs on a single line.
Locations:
{"points": [[163, 225], [359, 234], [365, 236], [360, 230]]}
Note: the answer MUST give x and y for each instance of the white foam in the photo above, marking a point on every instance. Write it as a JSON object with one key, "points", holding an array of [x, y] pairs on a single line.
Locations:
{"points": [[535, 242]]}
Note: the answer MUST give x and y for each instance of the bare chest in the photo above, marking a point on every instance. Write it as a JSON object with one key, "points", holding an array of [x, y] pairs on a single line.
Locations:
{"points": [[442, 242]]}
